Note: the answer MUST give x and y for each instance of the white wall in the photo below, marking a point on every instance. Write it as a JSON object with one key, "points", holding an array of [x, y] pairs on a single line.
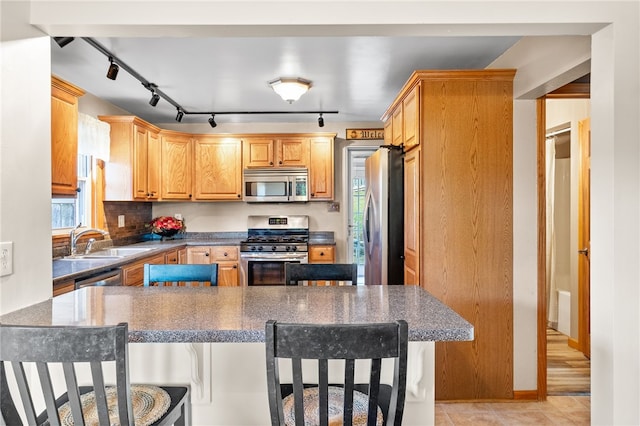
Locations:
{"points": [[25, 158], [615, 100]]}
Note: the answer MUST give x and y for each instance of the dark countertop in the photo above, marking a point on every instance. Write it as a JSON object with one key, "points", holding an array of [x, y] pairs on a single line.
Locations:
{"points": [[64, 270], [239, 314]]}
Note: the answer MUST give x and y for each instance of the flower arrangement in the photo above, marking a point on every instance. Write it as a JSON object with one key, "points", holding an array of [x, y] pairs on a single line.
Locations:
{"points": [[166, 226]]}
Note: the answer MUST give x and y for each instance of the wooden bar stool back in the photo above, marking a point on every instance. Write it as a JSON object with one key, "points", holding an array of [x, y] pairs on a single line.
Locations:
{"points": [[26, 349], [320, 273], [312, 400]]}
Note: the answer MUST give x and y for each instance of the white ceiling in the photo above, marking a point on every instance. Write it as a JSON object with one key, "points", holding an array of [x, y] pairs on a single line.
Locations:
{"points": [[357, 76]]}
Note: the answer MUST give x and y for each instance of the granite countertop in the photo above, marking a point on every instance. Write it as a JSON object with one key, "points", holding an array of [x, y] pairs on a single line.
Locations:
{"points": [[239, 314]]}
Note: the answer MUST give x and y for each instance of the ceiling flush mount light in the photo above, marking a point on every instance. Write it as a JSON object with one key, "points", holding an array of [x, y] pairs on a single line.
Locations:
{"points": [[290, 89], [112, 72], [212, 121], [320, 121]]}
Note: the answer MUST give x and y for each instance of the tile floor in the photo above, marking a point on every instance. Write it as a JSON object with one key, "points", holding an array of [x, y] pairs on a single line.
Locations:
{"points": [[556, 410]]}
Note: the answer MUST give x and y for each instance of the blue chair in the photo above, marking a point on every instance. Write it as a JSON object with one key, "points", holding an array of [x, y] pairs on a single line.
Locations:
{"points": [[160, 275]]}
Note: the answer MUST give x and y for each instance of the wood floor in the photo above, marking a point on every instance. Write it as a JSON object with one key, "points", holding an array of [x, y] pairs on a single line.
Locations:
{"points": [[568, 370], [568, 403]]}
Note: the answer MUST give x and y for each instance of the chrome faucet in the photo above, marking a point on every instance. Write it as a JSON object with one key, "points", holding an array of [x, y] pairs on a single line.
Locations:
{"points": [[73, 238]]}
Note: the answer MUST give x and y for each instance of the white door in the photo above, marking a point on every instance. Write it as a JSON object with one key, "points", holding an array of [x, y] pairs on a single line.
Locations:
{"points": [[355, 189]]}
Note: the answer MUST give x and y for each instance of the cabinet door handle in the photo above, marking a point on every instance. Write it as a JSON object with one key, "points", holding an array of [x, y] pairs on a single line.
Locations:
{"points": [[235, 266], [280, 162], [225, 254], [206, 254], [321, 253]]}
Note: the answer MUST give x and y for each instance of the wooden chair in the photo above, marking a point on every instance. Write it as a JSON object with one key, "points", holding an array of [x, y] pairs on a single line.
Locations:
{"points": [[177, 274], [313, 400], [320, 273], [25, 347]]}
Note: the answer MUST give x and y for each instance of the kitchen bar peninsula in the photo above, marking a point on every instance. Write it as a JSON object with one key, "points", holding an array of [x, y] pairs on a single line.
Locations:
{"points": [[212, 337]]}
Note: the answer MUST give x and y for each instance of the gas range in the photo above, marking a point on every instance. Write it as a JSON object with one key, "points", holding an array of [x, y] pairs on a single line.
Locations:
{"points": [[276, 234]]}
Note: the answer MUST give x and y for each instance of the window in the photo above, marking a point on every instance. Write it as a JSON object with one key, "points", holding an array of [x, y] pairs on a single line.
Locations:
{"points": [[69, 212]]}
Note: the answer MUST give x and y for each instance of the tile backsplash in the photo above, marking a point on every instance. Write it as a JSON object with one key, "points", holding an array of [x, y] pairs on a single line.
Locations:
{"points": [[136, 215]]}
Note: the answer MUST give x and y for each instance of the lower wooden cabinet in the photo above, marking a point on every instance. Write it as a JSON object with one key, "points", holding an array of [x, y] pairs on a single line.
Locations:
{"points": [[225, 256], [64, 287], [322, 254], [171, 257], [133, 274]]}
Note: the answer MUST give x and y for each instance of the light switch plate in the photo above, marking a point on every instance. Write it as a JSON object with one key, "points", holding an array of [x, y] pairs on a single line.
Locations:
{"points": [[121, 221], [333, 206], [6, 258]]}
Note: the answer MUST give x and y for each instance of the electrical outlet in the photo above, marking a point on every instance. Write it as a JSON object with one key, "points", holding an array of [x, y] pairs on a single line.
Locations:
{"points": [[333, 206], [178, 216], [121, 221], [6, 259]]}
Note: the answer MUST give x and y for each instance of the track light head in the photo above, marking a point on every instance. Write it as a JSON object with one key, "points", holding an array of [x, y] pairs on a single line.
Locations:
{"points": [[154, 99], [112, 72], [212, 121], [179, 115], [63, 41], [320, 121]]}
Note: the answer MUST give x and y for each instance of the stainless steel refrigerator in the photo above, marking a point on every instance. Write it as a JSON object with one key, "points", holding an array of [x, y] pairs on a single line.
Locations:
{"points": [[384, 218]]}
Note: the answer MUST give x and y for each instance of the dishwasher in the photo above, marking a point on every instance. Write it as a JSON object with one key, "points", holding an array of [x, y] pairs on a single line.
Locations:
{"points": [[108, 278]]}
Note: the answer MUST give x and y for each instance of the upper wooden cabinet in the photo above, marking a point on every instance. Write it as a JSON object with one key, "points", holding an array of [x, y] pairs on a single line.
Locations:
{"points": [[276, 152], [177, 161], [459, 217], [217, 168], [133, 170], [64, 137], [321, 168], [402, 120]]}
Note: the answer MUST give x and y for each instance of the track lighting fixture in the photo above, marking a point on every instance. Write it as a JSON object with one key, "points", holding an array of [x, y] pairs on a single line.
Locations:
{"points": [[63, 41], [112, 72], [299, 85], [154, 98]]}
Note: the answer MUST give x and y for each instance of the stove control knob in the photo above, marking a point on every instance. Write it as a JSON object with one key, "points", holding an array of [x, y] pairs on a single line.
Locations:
{"points": [[273, 248], [294, 248], [288, 248], [259, 248]]}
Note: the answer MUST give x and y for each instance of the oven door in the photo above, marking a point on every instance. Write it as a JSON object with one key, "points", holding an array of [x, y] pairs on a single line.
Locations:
{"points": [[267, 268]]}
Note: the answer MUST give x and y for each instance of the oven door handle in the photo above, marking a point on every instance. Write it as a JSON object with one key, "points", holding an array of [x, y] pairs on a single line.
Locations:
{"points": [[271, 257]]}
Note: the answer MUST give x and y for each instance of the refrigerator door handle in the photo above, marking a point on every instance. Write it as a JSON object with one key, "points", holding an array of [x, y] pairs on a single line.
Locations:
{"points": [[367, 223]]}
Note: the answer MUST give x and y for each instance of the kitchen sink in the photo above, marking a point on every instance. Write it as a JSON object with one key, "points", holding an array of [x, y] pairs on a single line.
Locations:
{"points": [[90, 257], [110, 253], [119, 251]]}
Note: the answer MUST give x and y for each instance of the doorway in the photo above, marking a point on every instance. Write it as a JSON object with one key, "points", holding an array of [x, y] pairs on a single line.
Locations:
{"points": [[563, 303], [355, 192]]}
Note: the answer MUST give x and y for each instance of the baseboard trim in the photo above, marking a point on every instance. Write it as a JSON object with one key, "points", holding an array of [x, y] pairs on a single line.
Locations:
{"points": [[525, 395], [573, 343]]}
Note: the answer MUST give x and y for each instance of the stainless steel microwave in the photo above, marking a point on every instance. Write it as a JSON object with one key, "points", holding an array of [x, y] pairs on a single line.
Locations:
{"points": [[278, 185]]}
